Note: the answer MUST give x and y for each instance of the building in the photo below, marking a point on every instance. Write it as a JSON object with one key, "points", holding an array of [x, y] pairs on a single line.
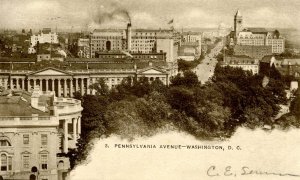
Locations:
{"points": [[255, 36], [256, 52], [187, 52], [244, 62], [36, 130], [116, 55], [76, 75], [133, 41], [192, 39], [84, 49], [45, 36]]}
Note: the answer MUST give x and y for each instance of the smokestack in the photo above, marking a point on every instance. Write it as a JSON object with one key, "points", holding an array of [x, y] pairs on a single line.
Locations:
{"points": [[129, 37]]}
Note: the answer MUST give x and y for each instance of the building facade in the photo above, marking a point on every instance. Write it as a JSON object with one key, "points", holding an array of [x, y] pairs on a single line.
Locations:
{"points": [[44, 37], [246, 63], [36, 128], [256, 52]]}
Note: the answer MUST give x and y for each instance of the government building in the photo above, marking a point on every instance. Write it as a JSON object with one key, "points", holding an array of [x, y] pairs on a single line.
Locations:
{"points": [[37, 130]]}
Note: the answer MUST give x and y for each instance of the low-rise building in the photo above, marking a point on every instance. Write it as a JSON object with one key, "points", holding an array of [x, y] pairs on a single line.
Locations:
{"points": [[256, 52], [45, 36], [244, 62]]}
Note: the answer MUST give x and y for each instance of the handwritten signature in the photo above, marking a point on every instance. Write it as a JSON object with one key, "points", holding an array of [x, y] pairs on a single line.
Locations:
{"points": [[212, 171]]}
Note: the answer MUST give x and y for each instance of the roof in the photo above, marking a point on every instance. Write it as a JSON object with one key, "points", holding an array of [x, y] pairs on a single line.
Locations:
{"points": [[256, 30], [291, 62], [239, 60], [17, 106], [9, 59]]}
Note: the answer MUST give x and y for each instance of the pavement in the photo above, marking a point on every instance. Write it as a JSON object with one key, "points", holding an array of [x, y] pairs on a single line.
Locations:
{"points": [[206, 68]]}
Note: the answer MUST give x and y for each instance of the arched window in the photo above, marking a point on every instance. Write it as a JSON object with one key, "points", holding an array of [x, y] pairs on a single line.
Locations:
{"points": [[3, 162]]}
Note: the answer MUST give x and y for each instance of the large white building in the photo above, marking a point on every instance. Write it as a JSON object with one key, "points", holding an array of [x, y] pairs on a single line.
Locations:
{"points": [[45, 36], [36, 129], [244, 62]]}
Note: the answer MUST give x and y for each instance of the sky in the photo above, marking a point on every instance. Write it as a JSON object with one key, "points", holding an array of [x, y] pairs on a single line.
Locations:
{"points": [[85, 14]]}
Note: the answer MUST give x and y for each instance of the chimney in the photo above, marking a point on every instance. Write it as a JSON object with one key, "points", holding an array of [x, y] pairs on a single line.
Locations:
{"points": [[128, 37]]}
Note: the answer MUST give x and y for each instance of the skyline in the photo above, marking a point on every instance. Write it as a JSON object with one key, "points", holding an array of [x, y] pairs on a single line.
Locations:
{"points": [[86, 15]]}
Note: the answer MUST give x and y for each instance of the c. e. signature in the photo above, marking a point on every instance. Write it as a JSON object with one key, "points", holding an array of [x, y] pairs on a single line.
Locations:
{"points": [[212, 171]]}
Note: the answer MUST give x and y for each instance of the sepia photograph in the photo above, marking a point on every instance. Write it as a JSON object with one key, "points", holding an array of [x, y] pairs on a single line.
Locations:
{"points": [[149, 90]]}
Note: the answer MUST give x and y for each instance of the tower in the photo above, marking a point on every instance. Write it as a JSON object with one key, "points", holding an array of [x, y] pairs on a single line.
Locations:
{"points": [[238, 23]]}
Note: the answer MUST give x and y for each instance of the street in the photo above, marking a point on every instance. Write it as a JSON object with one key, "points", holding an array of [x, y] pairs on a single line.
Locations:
{"points": [[206, 68]]}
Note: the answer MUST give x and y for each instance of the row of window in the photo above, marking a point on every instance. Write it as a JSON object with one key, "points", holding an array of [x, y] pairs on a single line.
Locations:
{"points": [[6, 162], [44, 139]]}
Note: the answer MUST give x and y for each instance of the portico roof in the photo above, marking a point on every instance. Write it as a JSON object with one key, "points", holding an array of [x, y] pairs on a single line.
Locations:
{"points": [[50, 72]]}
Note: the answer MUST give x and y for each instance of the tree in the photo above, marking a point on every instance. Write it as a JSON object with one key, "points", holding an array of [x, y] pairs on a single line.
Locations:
{"points": [[100, 87], [189, 79]]}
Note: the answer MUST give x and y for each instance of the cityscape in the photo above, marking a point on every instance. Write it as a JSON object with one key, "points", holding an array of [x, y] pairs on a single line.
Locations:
{"points": [[63, 85]]}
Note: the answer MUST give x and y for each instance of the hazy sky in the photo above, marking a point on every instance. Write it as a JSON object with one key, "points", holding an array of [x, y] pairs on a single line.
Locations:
{"points": [[147, 13]]}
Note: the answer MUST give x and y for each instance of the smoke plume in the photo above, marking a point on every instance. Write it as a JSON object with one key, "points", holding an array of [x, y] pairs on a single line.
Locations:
{"points": [[112, 13]]}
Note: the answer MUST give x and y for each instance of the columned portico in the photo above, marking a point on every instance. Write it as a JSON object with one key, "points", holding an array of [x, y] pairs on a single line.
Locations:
{"points": [[82, 86]]}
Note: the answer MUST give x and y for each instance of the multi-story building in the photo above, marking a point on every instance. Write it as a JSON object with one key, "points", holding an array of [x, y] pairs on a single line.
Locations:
{"points": [[84, 49], [255, 36], [244, 62], [133, 41], [36, 129], [78, 74], [257, 52], [45, 36]]}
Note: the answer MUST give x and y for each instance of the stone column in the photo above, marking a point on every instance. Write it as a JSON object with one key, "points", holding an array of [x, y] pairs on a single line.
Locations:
{"points": [[53, 86], [65, 87], [34, 83], [58, 88], [47, 85], [11, 83], [65, 148], [74, 122], [76, 84], [17, 83], [93, 90], [82, 86], [88, 86], [23, 83], [71, 88], [79, 125], [5, 83], [28, 84], [41, 84]]}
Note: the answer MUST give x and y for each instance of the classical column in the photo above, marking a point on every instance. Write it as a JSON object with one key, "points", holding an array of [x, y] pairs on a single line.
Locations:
{"points": [[47, 85], [93, 90], [41, 84], [28, 84], [76, 84], [88, 86], [17, 83], [65, 149], [74, 122], [11, 83], [71, 88], [5, 83], [23, 83], [65, 87], [82, 86], [53, 88], [79, 125], [58, 88], [34, 83]]}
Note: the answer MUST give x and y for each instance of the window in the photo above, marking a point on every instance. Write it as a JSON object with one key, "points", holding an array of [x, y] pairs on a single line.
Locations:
{"points": [[4, 143], [44, 161], [3, 162], [44, 139], [9, 163], [26, 161], [26, 139]]}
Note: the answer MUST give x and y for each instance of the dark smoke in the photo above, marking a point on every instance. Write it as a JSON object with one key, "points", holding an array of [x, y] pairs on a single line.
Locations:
{"points": [[118, 14]]}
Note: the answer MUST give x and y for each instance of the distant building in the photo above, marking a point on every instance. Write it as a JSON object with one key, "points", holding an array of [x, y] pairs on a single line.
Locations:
{"points": [[256, 52], [84, 49], [133, 41], [36, 130], [255, 36], [244, 62], [45, 36]]}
